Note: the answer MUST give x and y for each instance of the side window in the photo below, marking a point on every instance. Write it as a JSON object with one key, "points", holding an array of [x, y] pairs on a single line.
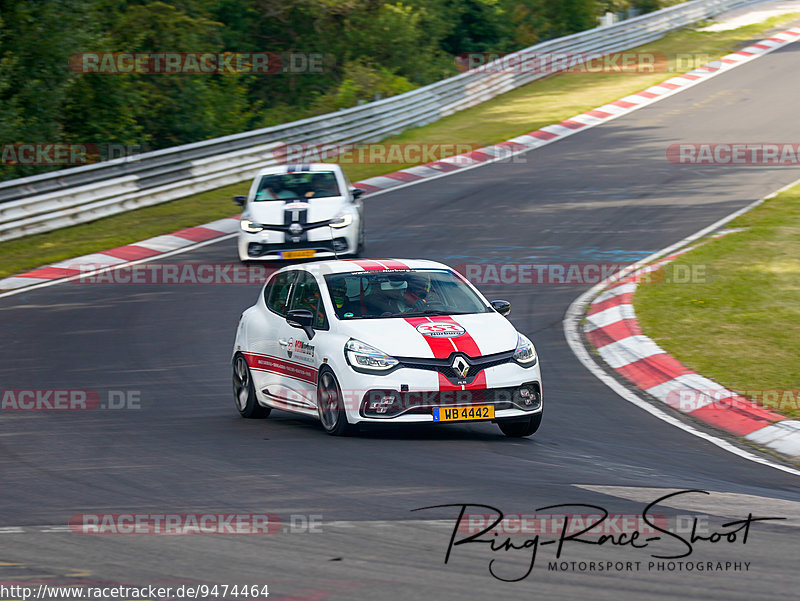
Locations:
{"points": [[276, 294], [307, 296]]}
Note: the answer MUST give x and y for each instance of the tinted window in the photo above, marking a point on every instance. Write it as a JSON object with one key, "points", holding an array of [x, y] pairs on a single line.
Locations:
{"points": [[306, 296], [276, 295]]}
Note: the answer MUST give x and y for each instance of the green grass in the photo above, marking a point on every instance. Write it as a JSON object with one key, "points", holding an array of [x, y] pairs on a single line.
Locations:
{"points": [[540, 103], [741, 326]]}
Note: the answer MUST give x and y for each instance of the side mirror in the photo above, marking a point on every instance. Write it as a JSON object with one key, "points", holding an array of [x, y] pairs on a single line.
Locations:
{"points": [[502, 307], [303, 319], [356, 192], [240, 200]]}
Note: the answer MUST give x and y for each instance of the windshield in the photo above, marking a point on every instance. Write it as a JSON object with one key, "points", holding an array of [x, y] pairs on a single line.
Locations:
{"points": [[402, 293], [294, 186]]}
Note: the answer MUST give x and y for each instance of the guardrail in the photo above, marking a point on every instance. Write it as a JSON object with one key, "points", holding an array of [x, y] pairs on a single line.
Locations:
{"points": [[67, 197]]}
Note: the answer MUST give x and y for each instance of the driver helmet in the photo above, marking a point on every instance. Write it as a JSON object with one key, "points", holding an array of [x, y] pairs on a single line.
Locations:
{"points": [[339, 292], [419, 285]]}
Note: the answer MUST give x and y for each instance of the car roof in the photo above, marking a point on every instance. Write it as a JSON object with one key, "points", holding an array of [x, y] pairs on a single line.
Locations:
{"points": [[299, 168], [366, 265]]}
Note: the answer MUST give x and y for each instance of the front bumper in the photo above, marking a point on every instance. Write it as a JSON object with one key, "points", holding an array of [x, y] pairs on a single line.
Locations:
{"points": [[410, 395], [382, 404], [269, 244]]}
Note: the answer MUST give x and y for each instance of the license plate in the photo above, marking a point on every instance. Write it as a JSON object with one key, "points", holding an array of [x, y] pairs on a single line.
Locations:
{"points": [[463, 414], [298, 254]]}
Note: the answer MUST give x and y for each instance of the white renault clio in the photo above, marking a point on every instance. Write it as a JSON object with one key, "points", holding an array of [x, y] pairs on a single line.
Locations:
{"points": [[300, 212], [384, 340]]}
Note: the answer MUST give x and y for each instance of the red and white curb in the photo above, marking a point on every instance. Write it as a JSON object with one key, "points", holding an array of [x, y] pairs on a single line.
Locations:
{"points": [[611, 327], [194, 236], [125, 255]]}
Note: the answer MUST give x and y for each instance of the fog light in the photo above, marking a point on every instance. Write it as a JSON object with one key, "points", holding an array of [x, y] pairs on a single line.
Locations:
{"points": [[527, 397], [381, 405], [339, 245]]}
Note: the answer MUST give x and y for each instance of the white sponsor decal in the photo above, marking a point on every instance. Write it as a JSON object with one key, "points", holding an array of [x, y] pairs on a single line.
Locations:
{"points": [[295, 206], [302, 350], [441, 330]]}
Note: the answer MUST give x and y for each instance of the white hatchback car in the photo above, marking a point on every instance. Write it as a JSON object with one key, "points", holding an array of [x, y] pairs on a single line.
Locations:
{"points": [[384, 340], [300, 212]]}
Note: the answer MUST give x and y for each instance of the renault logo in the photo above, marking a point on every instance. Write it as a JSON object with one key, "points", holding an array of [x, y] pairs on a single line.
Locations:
{"points": [[460, 366]]}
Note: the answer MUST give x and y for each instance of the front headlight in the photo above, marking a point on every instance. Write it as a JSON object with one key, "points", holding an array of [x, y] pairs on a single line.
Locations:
{"points": [[342, 221], [525, 354], [250, 227], [364, 356]]}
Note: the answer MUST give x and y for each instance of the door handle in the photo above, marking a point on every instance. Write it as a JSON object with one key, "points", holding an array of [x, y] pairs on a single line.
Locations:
{"points": [[283, 342]]}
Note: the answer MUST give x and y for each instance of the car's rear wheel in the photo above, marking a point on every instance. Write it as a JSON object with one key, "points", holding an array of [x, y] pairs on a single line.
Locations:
{"points": [[515, 428], [244, 391], [330, 405]]}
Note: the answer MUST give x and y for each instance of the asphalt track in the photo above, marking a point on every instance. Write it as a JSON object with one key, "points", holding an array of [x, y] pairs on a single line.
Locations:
{"points": [[606, 194]]}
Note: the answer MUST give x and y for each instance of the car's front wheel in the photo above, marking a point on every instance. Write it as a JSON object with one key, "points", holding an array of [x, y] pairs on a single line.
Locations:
{"points": [[244, 391], [516, 428], [330, 405]]}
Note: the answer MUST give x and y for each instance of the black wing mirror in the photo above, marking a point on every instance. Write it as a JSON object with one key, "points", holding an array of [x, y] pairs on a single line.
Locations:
{"points": [[239, 200], [356, 192], [303, 319], [502, 307]]}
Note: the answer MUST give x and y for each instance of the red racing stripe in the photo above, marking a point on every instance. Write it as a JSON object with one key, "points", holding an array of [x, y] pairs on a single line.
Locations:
{"points": [[464, 343], [367, 265], [288, 369], [440, 347], [392, 264]]}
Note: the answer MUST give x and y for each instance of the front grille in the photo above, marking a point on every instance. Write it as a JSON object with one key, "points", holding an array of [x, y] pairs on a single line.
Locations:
{"points": [[445, 366]]}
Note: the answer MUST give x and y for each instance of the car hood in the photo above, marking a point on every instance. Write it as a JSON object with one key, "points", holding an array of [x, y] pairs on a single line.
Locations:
{"points": [[275, 211], [484, 334]]}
